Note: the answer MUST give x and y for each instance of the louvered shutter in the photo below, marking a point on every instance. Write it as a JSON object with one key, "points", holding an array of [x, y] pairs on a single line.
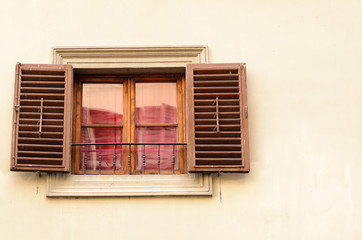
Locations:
{"points": [[217, 126], [42, 115]]}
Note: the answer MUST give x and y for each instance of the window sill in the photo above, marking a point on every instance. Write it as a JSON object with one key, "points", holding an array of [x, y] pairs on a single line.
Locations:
{"points": [[65, 185]]}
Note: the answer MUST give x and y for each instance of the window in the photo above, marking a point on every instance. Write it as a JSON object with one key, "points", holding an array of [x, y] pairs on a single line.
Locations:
{"points": [[135, 108], [215, 133]]}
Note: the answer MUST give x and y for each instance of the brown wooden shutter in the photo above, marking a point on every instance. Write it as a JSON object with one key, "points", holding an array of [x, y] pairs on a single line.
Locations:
{"points": [[42, 115], [217, 124]]}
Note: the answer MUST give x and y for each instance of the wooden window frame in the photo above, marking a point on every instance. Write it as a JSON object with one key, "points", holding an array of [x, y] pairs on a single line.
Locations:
{"points": [[130, 59], [129, 122]]}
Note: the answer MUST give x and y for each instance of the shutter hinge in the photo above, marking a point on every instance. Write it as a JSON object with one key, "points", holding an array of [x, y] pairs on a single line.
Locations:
{"points": [[16, 107], [246, 111]]}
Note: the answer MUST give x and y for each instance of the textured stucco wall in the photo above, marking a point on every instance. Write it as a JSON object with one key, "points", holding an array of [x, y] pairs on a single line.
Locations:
{"points": [[305, 109]]}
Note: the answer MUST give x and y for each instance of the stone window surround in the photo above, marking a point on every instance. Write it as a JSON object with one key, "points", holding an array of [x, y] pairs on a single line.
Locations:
{"points": [[93, 59]]}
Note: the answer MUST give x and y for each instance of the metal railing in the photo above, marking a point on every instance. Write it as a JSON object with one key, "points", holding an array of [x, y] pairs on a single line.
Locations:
{"points": [[143, 168]]}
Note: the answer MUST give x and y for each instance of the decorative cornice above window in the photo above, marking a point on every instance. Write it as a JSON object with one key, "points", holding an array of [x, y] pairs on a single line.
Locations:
{"points": [[130, 57]]}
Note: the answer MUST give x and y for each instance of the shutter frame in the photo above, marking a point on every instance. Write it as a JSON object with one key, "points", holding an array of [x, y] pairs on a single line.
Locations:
{"points": [[39, 92], [222, 164]]}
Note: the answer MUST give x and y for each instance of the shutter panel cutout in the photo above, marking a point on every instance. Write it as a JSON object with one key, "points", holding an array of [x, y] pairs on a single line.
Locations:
{"points": [[217, 126], [42, 114]]}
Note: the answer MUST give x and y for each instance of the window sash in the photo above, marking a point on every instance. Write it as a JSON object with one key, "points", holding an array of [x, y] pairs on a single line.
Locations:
{"points": [[129, 125]]}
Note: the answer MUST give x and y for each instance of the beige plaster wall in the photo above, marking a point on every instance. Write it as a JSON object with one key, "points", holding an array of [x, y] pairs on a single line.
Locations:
{"points": [[305, 109]]}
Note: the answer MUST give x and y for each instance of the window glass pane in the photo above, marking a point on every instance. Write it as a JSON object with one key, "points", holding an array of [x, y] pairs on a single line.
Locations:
{"points": [[108, 152], [156, 103], [102, 103], [156, 134]]}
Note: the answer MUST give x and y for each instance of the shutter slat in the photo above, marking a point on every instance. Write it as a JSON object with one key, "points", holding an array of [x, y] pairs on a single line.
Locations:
{"points": [[39, 154], [46, 109], [42, 70], [213, 121], [219, 161], [221, 127], [43, 84], [41, 134], [42, 95], [42, 90], [214, 95], [32, 121], [216, 69], [216, 140], [36, 102], [217, 124], [199, 102], [215, 76], [40, 161], [212, 168], [220, 134], [219, 154], [42, 140], [208, 115], [45, 128], [216, 83], [41, 78], [216, 90], [221, 109], [40, 147], [45, 115], [224, 147]]}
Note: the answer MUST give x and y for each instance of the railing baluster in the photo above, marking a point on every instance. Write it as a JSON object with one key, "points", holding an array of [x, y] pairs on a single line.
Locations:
{"points": [[100, 159], [85, 160], [114, 160], [159, 159], [129, 159], [85, 146], [173, 159], [144, 159]]}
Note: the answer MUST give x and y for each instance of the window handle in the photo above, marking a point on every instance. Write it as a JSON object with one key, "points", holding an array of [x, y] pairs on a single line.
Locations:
{"points": [[217, 114], [41, 116]]}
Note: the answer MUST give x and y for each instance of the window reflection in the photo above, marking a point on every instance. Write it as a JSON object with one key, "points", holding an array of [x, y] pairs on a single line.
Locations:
{"points": [[156, 121], [156, 117], [102, 116]]}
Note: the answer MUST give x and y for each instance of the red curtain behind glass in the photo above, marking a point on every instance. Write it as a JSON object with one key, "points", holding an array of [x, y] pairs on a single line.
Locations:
{"points": [[147, 115]]}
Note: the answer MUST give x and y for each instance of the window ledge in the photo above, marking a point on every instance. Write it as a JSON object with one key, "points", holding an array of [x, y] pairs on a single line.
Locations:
{"points": [[65, 185]]}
